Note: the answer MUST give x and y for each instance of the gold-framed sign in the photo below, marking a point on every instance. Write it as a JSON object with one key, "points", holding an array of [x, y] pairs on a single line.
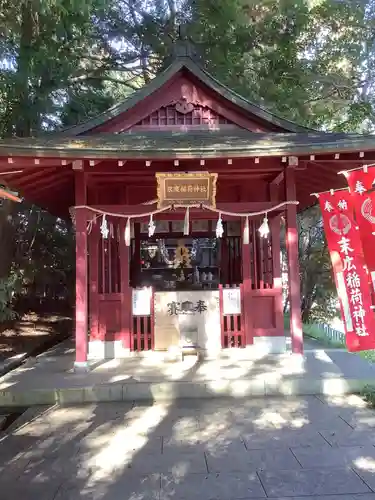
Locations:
{"points": [[186, 188]]}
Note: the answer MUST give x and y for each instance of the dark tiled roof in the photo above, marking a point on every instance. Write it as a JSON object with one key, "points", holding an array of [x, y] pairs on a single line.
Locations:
{"points": [[186, 145]]}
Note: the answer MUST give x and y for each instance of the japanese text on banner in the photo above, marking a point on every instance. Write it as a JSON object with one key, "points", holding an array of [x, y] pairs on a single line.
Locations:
{"points": [[361, 183], [348, 264]]}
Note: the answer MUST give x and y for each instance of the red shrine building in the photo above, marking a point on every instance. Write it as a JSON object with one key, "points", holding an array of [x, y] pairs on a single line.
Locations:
{"points": [[168, 191]]}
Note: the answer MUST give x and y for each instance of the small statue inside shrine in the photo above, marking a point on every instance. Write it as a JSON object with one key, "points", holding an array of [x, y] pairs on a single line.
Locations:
{"points": [[182, 256]]}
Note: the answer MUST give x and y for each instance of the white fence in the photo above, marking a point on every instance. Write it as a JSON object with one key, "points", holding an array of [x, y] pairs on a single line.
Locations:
{"points": [[329, 333]]}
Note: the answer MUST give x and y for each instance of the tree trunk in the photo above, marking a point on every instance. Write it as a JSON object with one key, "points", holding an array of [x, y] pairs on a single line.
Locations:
{"points": [[6, 237], [21, 109], [20, 123]]}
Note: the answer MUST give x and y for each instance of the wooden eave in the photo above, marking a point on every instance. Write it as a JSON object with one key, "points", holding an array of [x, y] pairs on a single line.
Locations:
{"points": [[160, 145]]}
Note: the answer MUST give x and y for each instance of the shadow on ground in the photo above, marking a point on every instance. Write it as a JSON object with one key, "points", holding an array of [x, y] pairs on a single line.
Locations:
{"points": [[227, 449]]}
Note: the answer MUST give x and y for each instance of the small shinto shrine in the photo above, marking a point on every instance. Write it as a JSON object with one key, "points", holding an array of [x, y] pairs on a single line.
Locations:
{"points": [[168, 191]]}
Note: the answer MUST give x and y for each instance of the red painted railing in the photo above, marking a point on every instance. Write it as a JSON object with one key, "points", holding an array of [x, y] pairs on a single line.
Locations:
{"points": [[232, 325], [142, 331]]}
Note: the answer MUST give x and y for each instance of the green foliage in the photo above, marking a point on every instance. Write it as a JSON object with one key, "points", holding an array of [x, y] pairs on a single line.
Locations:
{"points": [[313, 331], [64, 60], [318, 291], [8, 288], [44, 254], [309, 61], [368, 393], [368, 355]]}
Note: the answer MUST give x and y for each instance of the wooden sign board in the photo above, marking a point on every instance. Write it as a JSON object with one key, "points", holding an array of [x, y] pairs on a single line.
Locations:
{"points": [[187, 188]]}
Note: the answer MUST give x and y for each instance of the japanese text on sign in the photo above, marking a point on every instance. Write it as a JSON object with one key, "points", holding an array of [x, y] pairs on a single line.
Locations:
{"points": [[351, 277], [186, 188], [353, 284], [361, 183], [231, 301], [186, 307]]}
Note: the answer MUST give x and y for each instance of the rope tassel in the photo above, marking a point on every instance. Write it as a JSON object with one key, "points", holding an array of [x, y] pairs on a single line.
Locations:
{"points": [[151, 227], [219, 227], [186, 222], [127, 235], [264, 228], [246, 232], [104, 227]]}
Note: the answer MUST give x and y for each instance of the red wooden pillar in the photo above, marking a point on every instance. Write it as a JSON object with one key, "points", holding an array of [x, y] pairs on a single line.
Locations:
{"points": [[126, 291], [81, 274], [293, 265], [94, 280], [275, 224], [246, 288]]}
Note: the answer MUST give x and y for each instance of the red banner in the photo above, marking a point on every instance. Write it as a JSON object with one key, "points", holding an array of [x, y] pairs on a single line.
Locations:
{"points": [[348, 264], [360, 182]]}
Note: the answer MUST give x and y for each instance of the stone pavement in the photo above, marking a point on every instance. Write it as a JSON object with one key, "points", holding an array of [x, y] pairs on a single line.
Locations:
{"points": [[193, 449], [50, 378]]}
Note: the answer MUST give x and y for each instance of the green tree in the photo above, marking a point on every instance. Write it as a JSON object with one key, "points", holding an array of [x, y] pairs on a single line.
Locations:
{"points": [[63, 61], [318, 291]]}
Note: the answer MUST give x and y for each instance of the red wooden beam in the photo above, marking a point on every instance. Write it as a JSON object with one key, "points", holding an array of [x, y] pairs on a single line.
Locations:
{"points": [[254, 206], [345, 157], [246, 289], [81, 333], [150, 181], [293, 265], [166, 165], [47, 180], [275, 223], [278, 179], [30, 175], [51, 182], [322, 183], [22, 162]]}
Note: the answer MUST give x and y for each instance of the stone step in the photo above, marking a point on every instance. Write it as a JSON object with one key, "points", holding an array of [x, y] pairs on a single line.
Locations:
{"points": [[172, 390]]}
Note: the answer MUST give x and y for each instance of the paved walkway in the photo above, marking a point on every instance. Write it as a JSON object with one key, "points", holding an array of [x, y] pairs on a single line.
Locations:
{"points": [[193, 449]]}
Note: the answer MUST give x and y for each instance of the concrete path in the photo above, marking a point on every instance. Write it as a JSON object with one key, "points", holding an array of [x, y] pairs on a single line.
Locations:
{"points": [[193, 449]]}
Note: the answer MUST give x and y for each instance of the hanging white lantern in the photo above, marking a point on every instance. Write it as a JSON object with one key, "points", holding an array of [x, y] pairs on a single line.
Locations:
{"points": [[246, 232], [186, 222], [151, 227], [127, 235], [219, 227], [104, 227], [264, 228]]}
